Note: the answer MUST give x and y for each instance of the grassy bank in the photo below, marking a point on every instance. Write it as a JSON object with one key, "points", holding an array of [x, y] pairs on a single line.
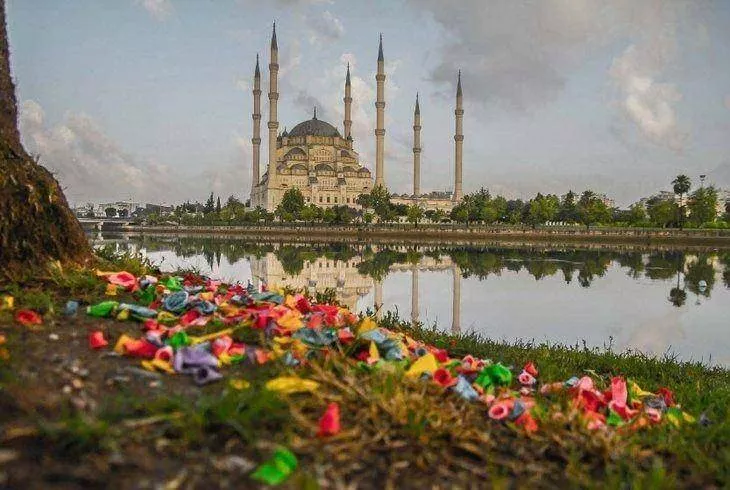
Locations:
{"points": [[117, 425]]}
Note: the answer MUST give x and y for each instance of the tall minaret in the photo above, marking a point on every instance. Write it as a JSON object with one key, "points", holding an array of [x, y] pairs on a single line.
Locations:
{"points": [[459, 141], [348, 105], [256, 140], [417, 149], [273, 98], [380, 117]]}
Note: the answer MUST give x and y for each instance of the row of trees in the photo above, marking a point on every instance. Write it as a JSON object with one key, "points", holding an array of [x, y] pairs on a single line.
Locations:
{"points": [[683, 208]]}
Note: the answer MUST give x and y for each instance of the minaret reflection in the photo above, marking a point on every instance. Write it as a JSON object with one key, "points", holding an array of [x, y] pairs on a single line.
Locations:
{"points": [[378, 299], [350, 285], [456, 300], [414, 294]]}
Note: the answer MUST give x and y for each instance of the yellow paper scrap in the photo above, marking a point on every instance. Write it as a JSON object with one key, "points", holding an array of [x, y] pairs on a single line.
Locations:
{"points": [[291, 384], [111, 290], [366, 325], [210, 336], [123, 315], [7, 303], [148, 366], [206, 296], [635, 389], [424, 364], [292, 320], [239, 384], [373, 354], [290, 302], [164, 366], [119, 346]]}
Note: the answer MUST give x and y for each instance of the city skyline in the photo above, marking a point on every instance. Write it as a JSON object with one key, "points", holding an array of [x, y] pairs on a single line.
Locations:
{"points": [[618, 98]]}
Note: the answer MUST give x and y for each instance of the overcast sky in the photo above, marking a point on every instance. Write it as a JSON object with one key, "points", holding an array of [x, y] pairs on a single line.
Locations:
{"points": [[151, 99]]}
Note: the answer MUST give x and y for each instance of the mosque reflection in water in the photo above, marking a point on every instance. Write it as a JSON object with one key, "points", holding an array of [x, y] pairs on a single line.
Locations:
{"points": [[353, 272]]}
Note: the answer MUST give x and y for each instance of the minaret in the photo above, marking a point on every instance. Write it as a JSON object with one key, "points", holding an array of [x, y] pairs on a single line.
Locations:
{"points": [[348, 105], [458, 141], [417, 149], [256, 140], [273, 98], [378, 299], [380, 117]]}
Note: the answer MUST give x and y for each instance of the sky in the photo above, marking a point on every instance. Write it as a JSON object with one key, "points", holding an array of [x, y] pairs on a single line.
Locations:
{"points": [[150, 100]]}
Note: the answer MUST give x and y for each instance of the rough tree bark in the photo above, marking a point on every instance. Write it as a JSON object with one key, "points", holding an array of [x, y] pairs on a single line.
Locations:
{"points": [[36, 224]]}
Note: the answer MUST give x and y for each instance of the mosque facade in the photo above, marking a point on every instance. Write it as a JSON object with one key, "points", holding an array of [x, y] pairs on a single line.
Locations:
{"points": [[322, 163]]}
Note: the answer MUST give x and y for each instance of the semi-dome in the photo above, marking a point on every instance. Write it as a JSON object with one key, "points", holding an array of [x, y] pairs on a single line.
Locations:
{"points": [[313, 127]]}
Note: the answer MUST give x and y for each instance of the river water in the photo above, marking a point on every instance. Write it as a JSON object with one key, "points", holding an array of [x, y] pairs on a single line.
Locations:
{"points": [[674, 302]]}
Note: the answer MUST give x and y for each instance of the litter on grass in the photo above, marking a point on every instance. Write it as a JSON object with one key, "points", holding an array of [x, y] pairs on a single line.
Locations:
{"points": [[297, 329]]}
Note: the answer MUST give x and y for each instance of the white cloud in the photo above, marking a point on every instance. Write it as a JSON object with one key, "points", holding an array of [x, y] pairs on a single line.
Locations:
{"points": [[159, 9], [323, 27], [85, 160], [649, 104], [90, 165]]}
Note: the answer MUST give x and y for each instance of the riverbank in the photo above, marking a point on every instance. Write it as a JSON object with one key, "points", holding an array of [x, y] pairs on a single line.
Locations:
{"points": [[438, 234], [96, 419]]}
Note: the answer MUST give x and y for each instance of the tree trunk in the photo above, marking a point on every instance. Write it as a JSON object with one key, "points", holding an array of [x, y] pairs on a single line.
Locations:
{"points": [[36, 224]]}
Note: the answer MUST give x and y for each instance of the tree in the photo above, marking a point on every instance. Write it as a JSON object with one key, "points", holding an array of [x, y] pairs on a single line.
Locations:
{"points": [[368, 218], [218, 205], [460, 213], [515, 210], [542, 209], [703, 205], [568, 211], [592, 209], [636, 214], [379, 201], [123, 213], [209, 204], [414, 214], [310, 213], [110, 212], [36, 224], [291, 205], [662, 212], [681, 186]]}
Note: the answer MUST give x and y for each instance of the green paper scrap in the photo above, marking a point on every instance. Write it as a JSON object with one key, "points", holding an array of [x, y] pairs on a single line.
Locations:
{"points": [[147, 296], [103, 309], [179, 339], [614, 419], [494, 375], [172, 283], [277, 469]]}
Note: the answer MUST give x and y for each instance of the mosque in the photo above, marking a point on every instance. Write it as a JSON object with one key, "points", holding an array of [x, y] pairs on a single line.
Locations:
{"points": [[317, 159]]}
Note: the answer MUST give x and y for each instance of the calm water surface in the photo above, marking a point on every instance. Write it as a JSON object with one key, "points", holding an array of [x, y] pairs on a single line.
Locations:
{"points": [[657, 302]]}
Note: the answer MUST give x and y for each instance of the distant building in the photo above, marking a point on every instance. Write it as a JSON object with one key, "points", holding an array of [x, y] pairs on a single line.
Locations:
{"points": [[321, 162]]}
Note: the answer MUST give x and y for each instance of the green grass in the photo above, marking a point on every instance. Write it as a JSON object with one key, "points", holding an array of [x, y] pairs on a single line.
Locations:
{"points": [[391, 420], [683, 453]]}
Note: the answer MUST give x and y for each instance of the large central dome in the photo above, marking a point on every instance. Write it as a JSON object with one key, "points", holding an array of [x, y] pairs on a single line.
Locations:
{"points": [[313, 127]]}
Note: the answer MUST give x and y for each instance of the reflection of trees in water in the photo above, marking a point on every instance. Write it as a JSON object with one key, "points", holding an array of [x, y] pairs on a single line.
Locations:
{"points": [[699, 271], [634, 262], [725, 261], [663, 265], [480, 262]]}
